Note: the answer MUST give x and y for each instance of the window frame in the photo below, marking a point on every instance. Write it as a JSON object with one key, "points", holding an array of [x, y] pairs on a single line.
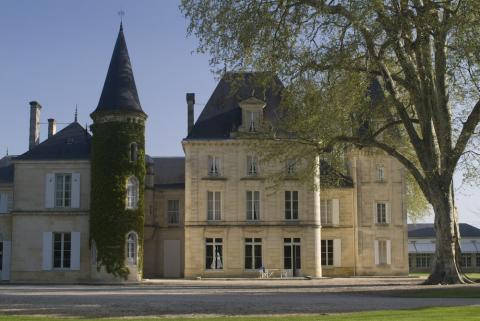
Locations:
{"points": [[216, 243], [252, 165], [327, 218], [133, 152], [423, 260], [382, 252], [291, 205], [214, 163], [65, 190], [380, 173], [216, 209], [173, 212], [132, 248], [255, 245], [62, 251], [252, 205], [327, 245], [132, 193], [381, 218]]}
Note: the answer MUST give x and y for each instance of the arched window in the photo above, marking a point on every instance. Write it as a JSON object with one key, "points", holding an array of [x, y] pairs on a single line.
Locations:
{"points": [[132, 248], [132, 192], [133, 152]]}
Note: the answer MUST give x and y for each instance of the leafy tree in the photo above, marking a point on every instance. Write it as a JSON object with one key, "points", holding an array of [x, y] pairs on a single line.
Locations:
{"points": [[426, 54]]}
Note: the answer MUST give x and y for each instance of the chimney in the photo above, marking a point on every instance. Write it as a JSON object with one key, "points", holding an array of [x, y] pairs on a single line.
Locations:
{"points": [[52, 127], [190, 103], [34, 138]]}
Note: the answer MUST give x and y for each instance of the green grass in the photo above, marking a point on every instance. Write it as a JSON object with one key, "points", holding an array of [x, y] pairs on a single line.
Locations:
{"points": [[464, 313]]}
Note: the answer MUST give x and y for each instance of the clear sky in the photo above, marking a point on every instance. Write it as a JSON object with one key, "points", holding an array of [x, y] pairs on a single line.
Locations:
{"points": [[57, 52]]}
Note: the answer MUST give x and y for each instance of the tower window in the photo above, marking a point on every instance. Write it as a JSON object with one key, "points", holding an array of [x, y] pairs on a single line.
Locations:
{"points": [[133, 152], [132, 248], [132, 192]]}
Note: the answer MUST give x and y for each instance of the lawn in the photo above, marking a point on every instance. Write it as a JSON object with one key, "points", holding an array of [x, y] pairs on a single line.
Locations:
{"points": [[438, 314]]}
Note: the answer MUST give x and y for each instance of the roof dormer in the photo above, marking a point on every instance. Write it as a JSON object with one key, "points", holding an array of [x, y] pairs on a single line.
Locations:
{"points": [[252, 114]]}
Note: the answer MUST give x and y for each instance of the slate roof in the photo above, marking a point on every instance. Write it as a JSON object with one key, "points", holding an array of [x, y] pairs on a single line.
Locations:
{"points": [[222, 114], [169, 172], [6, 170], [119, 92], [71, 143], [427, 230]]}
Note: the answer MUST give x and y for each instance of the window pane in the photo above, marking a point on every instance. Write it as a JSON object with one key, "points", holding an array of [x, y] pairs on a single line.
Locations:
{"points": [[287, 257]]}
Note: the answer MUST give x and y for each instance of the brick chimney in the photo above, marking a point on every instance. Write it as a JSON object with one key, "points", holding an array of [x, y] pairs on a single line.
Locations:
{"points": [[52, 127], [190, 104], [34, 137]]}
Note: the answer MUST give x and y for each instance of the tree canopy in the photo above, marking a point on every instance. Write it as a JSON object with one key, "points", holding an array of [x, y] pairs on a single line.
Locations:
{"points": [[425, 55]]}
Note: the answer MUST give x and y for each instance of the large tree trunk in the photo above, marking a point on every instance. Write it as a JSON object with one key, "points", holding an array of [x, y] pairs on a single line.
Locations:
{"points": [[446, 268]]}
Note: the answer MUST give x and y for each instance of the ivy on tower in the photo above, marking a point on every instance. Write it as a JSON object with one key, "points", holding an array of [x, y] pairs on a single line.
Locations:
{"points": [[118, 168]]}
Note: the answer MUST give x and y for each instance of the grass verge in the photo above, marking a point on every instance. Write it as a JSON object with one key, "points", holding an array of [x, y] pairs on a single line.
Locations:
{"points": [[464, 313]]}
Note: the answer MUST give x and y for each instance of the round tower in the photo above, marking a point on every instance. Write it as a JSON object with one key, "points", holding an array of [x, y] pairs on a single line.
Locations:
{"points": [[118, 172]]}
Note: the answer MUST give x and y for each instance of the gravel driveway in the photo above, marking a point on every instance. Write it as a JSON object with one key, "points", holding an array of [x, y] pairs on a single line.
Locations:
{"points": [[216, 297]]}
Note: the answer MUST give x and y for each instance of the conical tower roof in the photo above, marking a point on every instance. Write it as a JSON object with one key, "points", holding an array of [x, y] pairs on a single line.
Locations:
{"points": [[119, 92]]}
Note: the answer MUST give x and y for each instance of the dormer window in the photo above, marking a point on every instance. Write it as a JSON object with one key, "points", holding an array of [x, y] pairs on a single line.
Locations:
{"points": [[253, 120], [133, 152], [252, 165], [252, 111], [213, 166]]}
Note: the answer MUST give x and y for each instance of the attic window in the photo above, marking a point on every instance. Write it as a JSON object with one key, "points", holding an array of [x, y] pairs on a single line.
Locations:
{"points": [[253, 119], [70, 140]]}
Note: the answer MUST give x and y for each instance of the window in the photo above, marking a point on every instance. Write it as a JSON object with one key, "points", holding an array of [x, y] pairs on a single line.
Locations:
{"points": [[327, 252], [1, 256], [253, 205], [326, 211], [252, 166], [290, 167], [478, 260], [132, 192], [252, 118], [381, 210], [173, 212], [291, 205], [423, 260], [214, 212], [133, 152], [382, 252], [466, 260], [214, 254], [5, 203], [62, 250], [132, 248], [291, 254], [380, 173], [63, 190], [213, 166], [253, 253]]}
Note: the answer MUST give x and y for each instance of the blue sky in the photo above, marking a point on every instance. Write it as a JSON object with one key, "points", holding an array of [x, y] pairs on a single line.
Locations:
{"points": [[57, 52]]}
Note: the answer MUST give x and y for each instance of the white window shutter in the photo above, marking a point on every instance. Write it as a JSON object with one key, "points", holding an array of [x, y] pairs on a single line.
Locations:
{"points": [[377, 255], [389, 252], [76, 190], [47, 251], [50, 190], [75, 257], [6, 261], [336, 211], [388, 212], [337, 252]]}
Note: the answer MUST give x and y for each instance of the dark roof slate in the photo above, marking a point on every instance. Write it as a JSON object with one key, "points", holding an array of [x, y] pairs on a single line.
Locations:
{"points": [[222, 114], [427, 230], [6, 170], [119, 92], [169, 172], [71, 143]]}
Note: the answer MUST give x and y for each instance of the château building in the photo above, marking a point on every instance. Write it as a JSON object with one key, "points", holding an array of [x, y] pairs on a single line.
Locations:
{"points": [[91, 205]]}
